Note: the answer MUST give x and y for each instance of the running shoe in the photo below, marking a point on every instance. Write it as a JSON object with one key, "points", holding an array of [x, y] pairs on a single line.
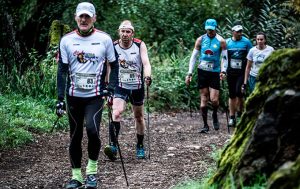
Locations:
{"points": [[111, 152], [204, 129], [74, 184], [91, 182], [231, 122], [140, 152]]}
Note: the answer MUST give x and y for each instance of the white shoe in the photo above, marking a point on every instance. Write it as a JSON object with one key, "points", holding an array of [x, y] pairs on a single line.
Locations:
{"points": [[231, 123]]}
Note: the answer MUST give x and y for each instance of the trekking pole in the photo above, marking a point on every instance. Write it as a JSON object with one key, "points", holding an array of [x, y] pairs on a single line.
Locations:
{"points": [[148, 121], [190, 100], [55, 123], [117, 142], [226, 107]]}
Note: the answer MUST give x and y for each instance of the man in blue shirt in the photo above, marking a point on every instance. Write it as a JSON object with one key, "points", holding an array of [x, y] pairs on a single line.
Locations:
{"points": [[238, 47], [207, 52]]}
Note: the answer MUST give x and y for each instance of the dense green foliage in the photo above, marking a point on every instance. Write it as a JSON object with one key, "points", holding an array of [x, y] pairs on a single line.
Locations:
{"points": [[21, 116]]}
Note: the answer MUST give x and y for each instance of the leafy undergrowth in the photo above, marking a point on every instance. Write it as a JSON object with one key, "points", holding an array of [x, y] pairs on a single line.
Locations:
{"points": [[21, 116]]}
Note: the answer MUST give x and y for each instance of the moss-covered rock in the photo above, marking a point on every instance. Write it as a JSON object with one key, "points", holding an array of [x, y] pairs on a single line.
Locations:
{"points": [[57, 30], [290, 171], [268, 134]]}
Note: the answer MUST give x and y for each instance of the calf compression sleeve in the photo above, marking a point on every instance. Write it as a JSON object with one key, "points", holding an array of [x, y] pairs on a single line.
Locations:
{"points": [[114, 129], [76, 174], [91, 168], [140, 139], [204, 114]]}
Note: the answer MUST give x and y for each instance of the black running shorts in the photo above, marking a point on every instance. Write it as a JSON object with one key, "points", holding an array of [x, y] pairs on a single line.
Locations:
{"points": [[234, 85], [208, 79], [135, 97]]}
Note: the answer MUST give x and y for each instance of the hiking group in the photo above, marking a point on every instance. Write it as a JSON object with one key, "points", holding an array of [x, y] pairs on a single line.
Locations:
{"points": [[233, 59], [92, 68]]}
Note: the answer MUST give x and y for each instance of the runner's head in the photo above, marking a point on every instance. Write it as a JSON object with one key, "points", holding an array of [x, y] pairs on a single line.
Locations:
{"points": [[85, 17], [126, 31], [210, 27], [261, 40], [237, 30]]}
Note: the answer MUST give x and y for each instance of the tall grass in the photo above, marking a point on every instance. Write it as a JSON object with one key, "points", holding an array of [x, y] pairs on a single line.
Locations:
{"points": [[37, 81], [169, 90]]}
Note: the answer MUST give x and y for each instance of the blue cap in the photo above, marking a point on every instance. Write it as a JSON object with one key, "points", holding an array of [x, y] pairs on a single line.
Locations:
{"points": [[210, 24]]}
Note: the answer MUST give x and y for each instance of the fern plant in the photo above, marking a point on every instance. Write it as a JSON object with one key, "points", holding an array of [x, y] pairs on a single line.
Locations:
{"points": [[273, 19]]}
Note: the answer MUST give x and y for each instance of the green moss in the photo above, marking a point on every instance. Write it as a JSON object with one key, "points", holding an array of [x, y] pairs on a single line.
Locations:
{"points": [[280, 71], [288, 172], [57, 30]]}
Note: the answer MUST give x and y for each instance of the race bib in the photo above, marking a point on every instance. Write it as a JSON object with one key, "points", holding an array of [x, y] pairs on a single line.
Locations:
{"points": [[128, 76], [236, 63], [85, 81], [207, 66]]}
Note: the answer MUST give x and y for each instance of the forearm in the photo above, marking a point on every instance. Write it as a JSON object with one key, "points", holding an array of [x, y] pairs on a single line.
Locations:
{"points": [[113, 74], [108, 69], [62, 71], [147, 70], [224, 62], [247, 71], [193, 60]]}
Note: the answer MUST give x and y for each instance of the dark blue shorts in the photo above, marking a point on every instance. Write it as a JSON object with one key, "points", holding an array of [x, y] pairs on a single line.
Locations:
{"points": [[135, 97]]}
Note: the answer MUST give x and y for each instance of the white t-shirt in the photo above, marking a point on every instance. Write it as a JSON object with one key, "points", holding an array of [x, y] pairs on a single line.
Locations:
{"points": [[86, 57], [258, 56]]}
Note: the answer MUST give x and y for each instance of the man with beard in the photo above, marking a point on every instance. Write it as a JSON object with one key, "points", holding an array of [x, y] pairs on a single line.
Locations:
{"points": [[82, 59], [238, 47], [210, 46], [134, 71]]}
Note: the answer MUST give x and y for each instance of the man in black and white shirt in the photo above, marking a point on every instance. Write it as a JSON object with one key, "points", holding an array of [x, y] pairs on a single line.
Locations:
{"points": [[134, 71], [81, 76]]}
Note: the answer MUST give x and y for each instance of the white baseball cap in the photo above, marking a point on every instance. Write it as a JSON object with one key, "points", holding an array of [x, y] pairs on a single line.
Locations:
{"points": [[237, 28], [85, 8]]}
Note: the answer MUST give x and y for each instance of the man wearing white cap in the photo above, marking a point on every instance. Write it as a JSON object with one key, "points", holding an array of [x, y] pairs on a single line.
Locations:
{"points": [[210, 46], [238, 47], [134, 72], [81, 78]]}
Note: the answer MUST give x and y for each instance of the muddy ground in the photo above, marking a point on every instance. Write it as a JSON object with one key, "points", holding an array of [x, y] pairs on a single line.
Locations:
{"points": [[177, 153]]}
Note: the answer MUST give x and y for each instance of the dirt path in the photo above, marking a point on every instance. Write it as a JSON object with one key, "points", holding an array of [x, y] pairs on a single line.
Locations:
{"points": [[178, 153]]}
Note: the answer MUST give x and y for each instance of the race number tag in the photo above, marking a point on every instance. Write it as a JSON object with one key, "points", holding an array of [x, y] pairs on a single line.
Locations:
{"points": [[207, 66], [85, 81], [236, 63], [130, 77]]}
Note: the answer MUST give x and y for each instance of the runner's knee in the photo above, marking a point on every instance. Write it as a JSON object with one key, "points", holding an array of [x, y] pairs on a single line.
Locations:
{"points": [[139, 118], [117, 115]]}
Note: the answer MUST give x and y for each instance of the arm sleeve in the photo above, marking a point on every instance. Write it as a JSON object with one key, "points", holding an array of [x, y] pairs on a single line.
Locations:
{"points": [[114, 73], [193, 60], [62, 71], [224, 61]]}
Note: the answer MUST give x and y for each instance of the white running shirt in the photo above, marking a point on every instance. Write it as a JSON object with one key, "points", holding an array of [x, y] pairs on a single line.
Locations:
{"points": [[258, 56], [130, 65], [86, 58]]}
